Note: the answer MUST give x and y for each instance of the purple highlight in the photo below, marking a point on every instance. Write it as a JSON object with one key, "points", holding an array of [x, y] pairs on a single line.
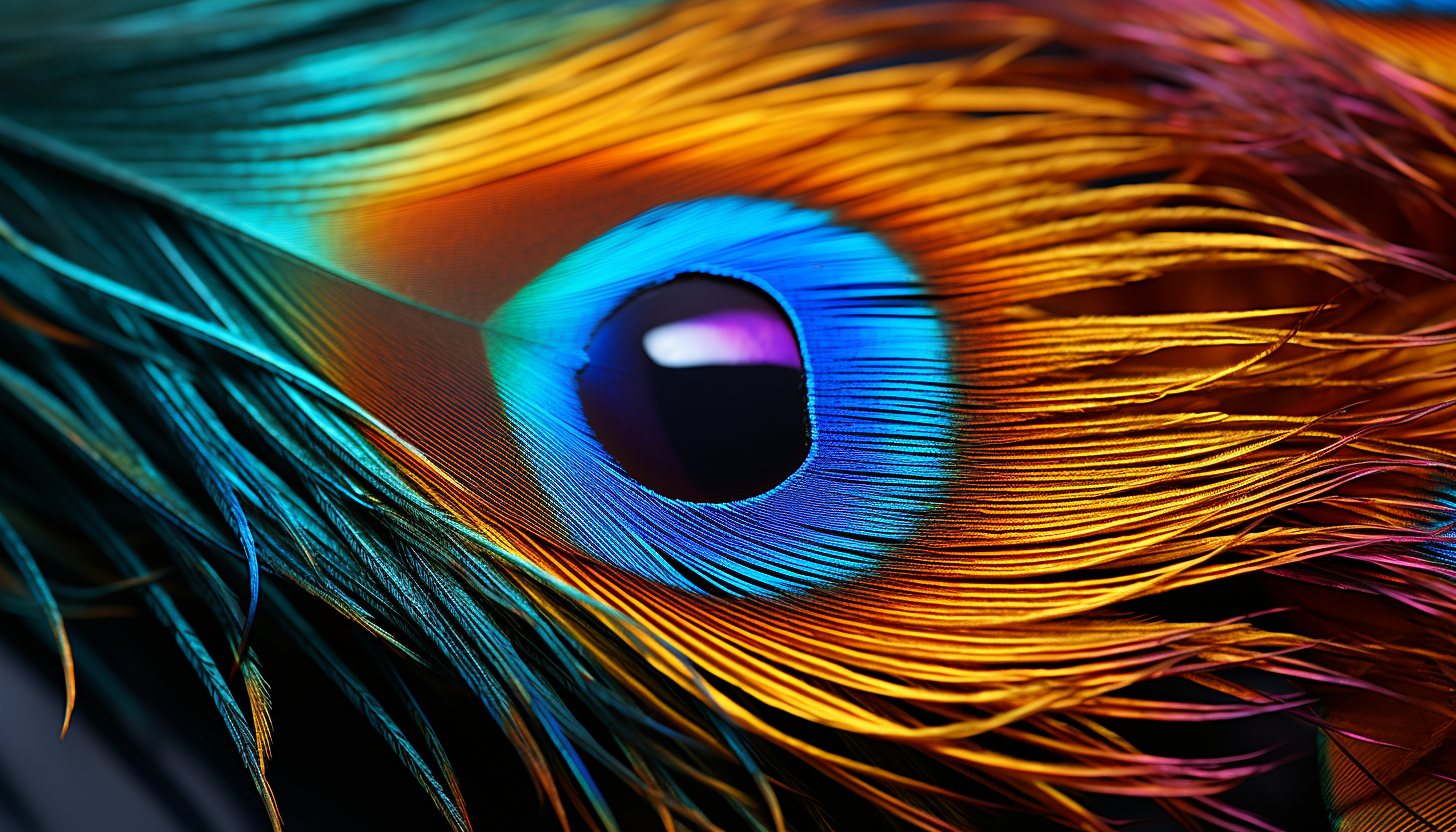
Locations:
{"points": [[731, 337]]}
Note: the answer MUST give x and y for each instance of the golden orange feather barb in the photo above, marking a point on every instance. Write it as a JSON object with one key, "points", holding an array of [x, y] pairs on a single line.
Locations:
{"points": [[779, 407]]}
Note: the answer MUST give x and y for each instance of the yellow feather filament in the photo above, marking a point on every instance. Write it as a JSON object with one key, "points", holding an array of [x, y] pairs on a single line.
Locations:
{"points": [[1108, 454]]}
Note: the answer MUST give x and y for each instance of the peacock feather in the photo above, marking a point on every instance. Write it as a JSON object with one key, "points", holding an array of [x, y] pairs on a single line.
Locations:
{"points": [[1109, 348]]}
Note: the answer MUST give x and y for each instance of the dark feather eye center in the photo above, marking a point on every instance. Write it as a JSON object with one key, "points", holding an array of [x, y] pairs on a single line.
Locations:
{"points": [[696, 388]]}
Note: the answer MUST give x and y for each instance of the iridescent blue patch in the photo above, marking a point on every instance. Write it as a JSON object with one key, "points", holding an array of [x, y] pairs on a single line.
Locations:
{"points": [[879, 378]]}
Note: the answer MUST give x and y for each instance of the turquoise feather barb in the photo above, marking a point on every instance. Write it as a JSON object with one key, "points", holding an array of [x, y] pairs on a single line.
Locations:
{"points": [[774, 414]]}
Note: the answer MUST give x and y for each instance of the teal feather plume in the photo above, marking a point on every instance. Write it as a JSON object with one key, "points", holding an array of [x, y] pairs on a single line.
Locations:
{"points": [[342, 537]]}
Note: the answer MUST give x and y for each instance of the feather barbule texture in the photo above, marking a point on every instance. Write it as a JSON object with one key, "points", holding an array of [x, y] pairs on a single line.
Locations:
{"points": [[1099, 305]]}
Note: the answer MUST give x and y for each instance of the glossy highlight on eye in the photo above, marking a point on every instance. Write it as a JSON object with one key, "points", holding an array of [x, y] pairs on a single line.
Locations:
{"points": [[728, 338]]}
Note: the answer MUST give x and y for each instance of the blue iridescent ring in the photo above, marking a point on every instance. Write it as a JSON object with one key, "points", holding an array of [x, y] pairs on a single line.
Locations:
{"points": [[878, 372]]}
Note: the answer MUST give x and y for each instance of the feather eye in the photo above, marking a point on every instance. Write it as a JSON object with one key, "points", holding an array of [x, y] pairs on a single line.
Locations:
{"points": [[878, 378]]}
